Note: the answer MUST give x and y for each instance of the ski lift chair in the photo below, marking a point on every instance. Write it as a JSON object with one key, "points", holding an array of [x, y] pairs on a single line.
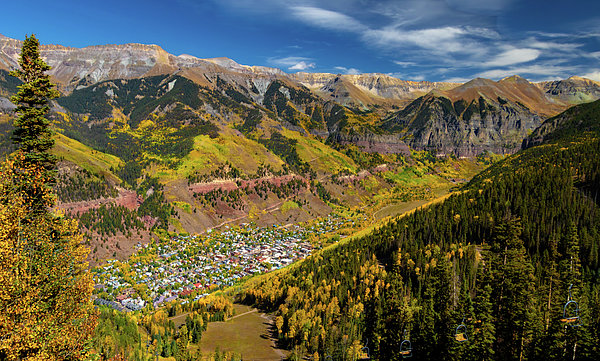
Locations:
{"points": [[571, 311], [460, 333], [405, 347], [364, 352]]}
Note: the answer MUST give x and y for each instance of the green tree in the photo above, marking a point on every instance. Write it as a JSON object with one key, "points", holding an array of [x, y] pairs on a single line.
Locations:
{"points": [[45, 287], [514, 284], [484, 332], [32, 132], [397, 316]]}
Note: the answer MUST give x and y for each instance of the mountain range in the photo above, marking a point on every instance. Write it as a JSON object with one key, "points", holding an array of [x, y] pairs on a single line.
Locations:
{"points": [[483, 115], [189, 144]]}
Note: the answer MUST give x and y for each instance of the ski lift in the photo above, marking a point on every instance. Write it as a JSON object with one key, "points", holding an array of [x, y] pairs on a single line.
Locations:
{"points": [[405, 347], [460, 334], [364, 352], [571, 311]]}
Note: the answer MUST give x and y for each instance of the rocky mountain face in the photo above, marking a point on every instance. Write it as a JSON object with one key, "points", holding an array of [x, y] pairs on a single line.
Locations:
{"points": [[573, 90], [79, 67], [484, 115], [367, 89], [574, 122], [463, 128], [377, 112]]}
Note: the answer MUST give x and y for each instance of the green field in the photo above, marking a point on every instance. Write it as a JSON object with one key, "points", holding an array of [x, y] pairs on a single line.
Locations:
{"points": [[246, 334]]}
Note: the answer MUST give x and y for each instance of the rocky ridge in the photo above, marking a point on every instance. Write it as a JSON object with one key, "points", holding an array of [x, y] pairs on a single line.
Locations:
{"points": [[377, 112]]}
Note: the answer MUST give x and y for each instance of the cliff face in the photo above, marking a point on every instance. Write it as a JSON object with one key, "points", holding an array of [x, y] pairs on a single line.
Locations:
{"points": [[370, 87], [74, 68], [485, 115], [374, 143], [465, 129], [573, 90], [464, 119]]}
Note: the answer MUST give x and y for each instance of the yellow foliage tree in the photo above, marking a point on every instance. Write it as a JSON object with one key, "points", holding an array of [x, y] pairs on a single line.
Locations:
{"points": [[45, 306], [46, 311]]}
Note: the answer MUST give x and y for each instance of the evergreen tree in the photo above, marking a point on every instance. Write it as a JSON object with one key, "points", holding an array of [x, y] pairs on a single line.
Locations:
{"points": [[45, 287], [514, 281], [484, 333], [571, 275], [397, 317], [32, 132]]}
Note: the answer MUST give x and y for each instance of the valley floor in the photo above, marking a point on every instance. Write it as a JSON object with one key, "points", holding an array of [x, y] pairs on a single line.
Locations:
{"points": [[247, 334]]}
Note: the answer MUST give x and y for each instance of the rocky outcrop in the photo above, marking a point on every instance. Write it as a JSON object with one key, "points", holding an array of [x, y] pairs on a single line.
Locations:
{"points": [[367, 88], [80, 67], [464, 129], [573, 90]]}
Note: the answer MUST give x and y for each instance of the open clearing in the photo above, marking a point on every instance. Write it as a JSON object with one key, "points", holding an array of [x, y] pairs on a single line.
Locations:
{"points": [[247, 334]]}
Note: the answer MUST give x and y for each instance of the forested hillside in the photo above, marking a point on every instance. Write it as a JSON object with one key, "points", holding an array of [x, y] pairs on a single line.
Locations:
{"points": [[500, 259]]}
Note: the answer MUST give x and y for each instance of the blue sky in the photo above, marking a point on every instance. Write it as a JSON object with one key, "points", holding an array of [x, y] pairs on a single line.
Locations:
{"points": [[435, 40]]}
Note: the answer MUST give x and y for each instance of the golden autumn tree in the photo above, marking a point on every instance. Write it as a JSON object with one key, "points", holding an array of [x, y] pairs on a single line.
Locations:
{"points": [[45, 287]]}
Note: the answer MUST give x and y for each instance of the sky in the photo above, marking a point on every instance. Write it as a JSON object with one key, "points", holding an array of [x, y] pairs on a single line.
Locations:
{"points": [[433, 40]]}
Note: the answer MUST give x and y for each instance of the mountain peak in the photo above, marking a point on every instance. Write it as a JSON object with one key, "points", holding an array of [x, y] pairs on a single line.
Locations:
{"points": [[225, 63], [477, 82], [514, 79]]}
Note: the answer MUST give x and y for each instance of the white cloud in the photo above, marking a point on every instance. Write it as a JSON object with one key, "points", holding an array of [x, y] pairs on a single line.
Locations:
{"points": [[293, 62], [446, 39], [344, 70], [417, 77], [595, 54], [483, 32], [404, 64], [457, 80], [551, 45], [549, 71], [327, 19], [302, 65], [594, 75], [396, 75], [513, 56]]}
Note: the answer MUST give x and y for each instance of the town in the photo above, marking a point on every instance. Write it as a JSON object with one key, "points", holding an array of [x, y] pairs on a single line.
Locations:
{"points": [[185, 267]]}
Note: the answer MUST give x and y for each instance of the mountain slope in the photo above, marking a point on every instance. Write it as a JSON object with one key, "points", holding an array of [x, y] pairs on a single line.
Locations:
{"points": [[573, 123], [573, 90], [372, 111], [500, 256], [478, 116], [463, 128]]}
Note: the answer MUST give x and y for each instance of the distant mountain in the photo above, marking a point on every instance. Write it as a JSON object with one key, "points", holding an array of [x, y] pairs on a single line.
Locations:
{"points": [[376, 112], [463, 128], [480, 115], [364, 90], [577, 121], [573, 90]]}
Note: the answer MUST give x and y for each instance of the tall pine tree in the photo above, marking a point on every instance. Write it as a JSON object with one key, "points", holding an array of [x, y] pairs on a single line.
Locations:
{"points": [[32, 133], [45, 286], [514, 284]]}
